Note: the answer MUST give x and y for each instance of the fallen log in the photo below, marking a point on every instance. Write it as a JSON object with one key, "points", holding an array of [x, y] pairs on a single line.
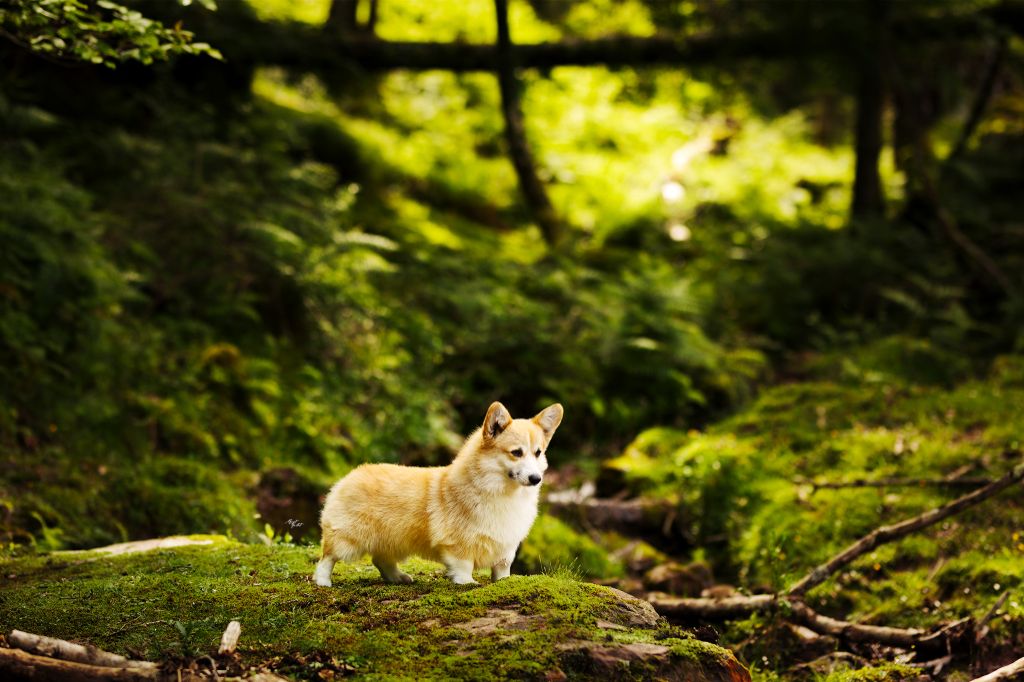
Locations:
{"points": [[16, 664], [69, 651]]}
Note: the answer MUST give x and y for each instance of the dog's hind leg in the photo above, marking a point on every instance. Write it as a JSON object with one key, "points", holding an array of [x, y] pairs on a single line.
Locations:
{"points": [[390, 571], [322, 574], [334, 549]]}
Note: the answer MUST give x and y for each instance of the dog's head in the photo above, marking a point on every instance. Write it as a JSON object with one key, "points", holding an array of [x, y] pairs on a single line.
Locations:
{"points": [[517, 448]]}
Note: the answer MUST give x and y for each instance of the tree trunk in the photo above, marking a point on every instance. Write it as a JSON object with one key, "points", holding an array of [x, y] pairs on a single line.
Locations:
{"points": [[533, 190], [342, 16], [868, 199]]}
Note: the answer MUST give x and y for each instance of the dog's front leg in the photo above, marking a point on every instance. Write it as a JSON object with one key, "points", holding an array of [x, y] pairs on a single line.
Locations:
{"points": [[459, 570], [503, 567]]}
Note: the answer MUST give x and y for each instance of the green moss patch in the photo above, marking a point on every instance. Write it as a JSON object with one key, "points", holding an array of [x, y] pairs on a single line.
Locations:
{"points": [[175, 603]]}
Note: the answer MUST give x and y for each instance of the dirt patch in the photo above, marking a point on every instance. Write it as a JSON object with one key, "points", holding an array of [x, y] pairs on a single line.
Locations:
{"points": [[500, 620]]}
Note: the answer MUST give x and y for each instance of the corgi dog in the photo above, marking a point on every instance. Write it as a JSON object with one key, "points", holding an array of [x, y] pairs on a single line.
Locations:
{"points": [[470, 514]]}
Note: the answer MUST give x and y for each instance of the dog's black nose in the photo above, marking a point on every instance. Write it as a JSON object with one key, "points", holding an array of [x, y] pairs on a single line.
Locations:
{"points": [[534, 479]]}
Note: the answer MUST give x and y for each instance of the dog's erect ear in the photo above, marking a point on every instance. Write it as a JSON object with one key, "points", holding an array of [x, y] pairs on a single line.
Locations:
{"points": [[497, 420], [548, 419]]}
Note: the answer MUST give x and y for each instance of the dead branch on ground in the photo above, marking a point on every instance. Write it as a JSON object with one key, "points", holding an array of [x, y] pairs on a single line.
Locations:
{"points": [[17, 664], [36, 657], [69, 651]]}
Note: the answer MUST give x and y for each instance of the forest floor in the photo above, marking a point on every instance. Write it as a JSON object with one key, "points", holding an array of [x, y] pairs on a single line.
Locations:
{"points": [[172, 604]]}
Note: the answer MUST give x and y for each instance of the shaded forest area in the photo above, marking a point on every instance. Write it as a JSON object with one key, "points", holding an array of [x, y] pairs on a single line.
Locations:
{"points": [[768, 255]]}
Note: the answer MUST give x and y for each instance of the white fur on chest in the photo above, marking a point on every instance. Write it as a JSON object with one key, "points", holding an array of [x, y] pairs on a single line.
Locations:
{"points": [[486, 529], [507, 519]]}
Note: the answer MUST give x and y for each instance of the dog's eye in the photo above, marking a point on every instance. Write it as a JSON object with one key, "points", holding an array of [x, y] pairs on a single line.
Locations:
{"points": [[517, 452], [538, 452]]}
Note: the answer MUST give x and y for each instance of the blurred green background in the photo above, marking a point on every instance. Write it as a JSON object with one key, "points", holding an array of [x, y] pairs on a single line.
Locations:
{"points": [[248, 245]]}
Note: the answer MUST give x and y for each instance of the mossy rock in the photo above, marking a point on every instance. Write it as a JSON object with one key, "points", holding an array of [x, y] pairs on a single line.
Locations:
{"points": [[173, 603]]}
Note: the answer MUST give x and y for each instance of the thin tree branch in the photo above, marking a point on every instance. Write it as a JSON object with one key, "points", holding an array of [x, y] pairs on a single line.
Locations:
{"points": [[977, 257], [981, 100], [886, 534], [983, 628]]}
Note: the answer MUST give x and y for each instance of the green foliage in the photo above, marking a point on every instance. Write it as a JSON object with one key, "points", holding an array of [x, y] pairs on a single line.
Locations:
{"points": [[552, 546], [103, 32]]}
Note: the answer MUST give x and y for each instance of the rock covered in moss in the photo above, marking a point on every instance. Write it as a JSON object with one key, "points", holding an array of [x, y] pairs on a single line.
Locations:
{"points": [[175, 602]]}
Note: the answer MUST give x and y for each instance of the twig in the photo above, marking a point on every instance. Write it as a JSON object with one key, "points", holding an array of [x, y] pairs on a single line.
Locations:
{"points": [[983, 628], [1008, 672], [934, 667], [887, 534], [213, 666], [134, 625]]}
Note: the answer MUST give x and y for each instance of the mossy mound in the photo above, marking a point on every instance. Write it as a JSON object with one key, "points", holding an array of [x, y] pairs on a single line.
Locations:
{"points": [[174, 604]]}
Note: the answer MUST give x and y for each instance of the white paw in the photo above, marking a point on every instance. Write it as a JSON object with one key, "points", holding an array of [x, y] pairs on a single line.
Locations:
{"points": [[322, 574], [464, 580]]}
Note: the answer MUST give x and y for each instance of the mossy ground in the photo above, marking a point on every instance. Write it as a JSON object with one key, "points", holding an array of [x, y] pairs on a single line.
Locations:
{"points": [[748, 482], [175, 603]]}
